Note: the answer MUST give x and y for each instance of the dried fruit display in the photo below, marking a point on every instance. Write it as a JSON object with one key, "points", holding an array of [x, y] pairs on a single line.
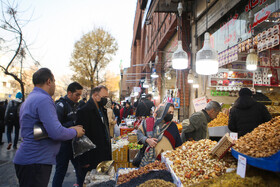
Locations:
{"points": [[221, 120], [193, 162], [263, 141], [146, 169]]}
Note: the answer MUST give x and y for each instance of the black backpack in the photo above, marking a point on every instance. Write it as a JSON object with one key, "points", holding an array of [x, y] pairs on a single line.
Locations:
{"points": [[13, 113]]}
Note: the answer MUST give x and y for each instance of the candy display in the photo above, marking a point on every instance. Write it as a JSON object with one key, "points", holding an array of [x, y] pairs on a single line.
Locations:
{"points": [[146, 169], [122, 171], [263, 141], [274, 96], [221, 120], [193, 163]]}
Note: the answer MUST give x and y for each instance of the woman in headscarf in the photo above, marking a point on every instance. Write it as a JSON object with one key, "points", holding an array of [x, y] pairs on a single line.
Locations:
{"points": [[159, 133]]}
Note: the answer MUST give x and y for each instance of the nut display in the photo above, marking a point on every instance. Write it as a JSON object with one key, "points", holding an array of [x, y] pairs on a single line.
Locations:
{"points": [[221, 120], [157, 182], [273, 109], [193, 162], [263, 141], [273, 96], [146, 169]]}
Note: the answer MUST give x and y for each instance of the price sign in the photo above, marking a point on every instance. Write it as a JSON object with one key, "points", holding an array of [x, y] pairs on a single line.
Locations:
{"points": [[233, 135], [199, 103], [241, 166]]}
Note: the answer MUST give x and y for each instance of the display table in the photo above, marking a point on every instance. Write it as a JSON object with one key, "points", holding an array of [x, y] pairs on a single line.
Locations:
{"points": [[218, 131], [271, 163], [125, 130]]}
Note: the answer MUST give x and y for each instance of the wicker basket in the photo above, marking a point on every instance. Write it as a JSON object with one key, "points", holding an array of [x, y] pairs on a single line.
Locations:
{"points": [[225, 143], [132, 138]]}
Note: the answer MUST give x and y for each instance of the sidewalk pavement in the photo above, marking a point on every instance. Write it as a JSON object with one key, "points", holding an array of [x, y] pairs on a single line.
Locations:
{"points": [[7, 171]]}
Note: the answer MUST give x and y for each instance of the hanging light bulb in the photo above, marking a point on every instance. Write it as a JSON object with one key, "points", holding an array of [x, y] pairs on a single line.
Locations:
{"points": [[269, 73], [168, 75], [180, 59], [154, 74], [206, 58], [132, 94], [190, 77], [252, 60], [156, 94], [145, 84], [195, 83]]}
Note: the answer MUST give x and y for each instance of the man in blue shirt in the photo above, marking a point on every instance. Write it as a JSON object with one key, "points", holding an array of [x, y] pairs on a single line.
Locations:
{"points": [[34, 158]]}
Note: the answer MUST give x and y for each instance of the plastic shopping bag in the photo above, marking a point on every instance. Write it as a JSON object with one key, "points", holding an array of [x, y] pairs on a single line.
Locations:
{"points": [[117, 130], [82, 145]]}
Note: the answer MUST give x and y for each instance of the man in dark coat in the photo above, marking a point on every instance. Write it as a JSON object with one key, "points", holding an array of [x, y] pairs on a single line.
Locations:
{"points": [[246, 113], [94, 118], [144, 107]]}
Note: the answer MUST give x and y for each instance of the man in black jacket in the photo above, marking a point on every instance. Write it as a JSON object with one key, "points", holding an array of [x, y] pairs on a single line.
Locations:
{"points": [[246, 113], [144, 107], [66, 108], [94, 118]]}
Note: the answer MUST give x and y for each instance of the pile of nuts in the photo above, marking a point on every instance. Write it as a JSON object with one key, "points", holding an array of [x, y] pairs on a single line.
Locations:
{"points": [[263, 141], [157, 182], [221, 120], [193, 162], [136, 173]]}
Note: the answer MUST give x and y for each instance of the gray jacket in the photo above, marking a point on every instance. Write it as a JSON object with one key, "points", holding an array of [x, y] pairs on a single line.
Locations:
{"points": [[197, 128]]}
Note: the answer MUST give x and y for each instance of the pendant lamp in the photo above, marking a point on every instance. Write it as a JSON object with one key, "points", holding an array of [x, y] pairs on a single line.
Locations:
{"points": [[195, 83], [252, 60], [180, 59], [206, 58], [190, 77], [154, 74], [145, 84]]}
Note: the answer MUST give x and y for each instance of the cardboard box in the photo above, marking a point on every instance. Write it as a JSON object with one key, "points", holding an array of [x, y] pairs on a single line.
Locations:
{"points": [[121, 154], [131, 166], [118, 165]]}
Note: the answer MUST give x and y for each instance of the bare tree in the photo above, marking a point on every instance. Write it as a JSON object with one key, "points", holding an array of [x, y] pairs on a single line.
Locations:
{"points": [[12, 24]]}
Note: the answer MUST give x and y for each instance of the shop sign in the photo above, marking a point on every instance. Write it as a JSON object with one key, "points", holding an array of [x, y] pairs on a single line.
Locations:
{"points": [[238, 29], [253, 3], [199, 103]]}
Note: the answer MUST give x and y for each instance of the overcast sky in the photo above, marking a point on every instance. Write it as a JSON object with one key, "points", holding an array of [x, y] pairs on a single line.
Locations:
{"points": [[57, 24]]}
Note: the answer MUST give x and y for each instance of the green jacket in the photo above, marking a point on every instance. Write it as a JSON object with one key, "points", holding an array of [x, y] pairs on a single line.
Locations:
{"points": [[196, 127]]}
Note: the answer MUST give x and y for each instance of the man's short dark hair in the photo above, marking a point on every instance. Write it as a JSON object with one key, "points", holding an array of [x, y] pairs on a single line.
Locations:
{"points": [[149, 96], [74, 86], [213, 105], [41, 76], [84, 99], [97, 89]]}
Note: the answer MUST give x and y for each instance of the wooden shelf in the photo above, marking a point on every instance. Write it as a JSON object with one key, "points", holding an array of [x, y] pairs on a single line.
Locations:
{"points": [[269, 67], [266, 85], [233, 78]]}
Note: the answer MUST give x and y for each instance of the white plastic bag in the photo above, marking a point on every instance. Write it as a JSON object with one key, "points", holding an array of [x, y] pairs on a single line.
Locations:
{"points": [[117, 130]]}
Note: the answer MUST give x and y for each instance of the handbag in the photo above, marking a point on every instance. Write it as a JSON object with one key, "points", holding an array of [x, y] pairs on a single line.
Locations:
{"points": [[138, 157]]}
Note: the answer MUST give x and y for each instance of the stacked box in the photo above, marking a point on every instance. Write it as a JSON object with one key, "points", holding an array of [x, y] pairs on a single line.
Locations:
{"points": [[121, 154], [118, 165]]}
